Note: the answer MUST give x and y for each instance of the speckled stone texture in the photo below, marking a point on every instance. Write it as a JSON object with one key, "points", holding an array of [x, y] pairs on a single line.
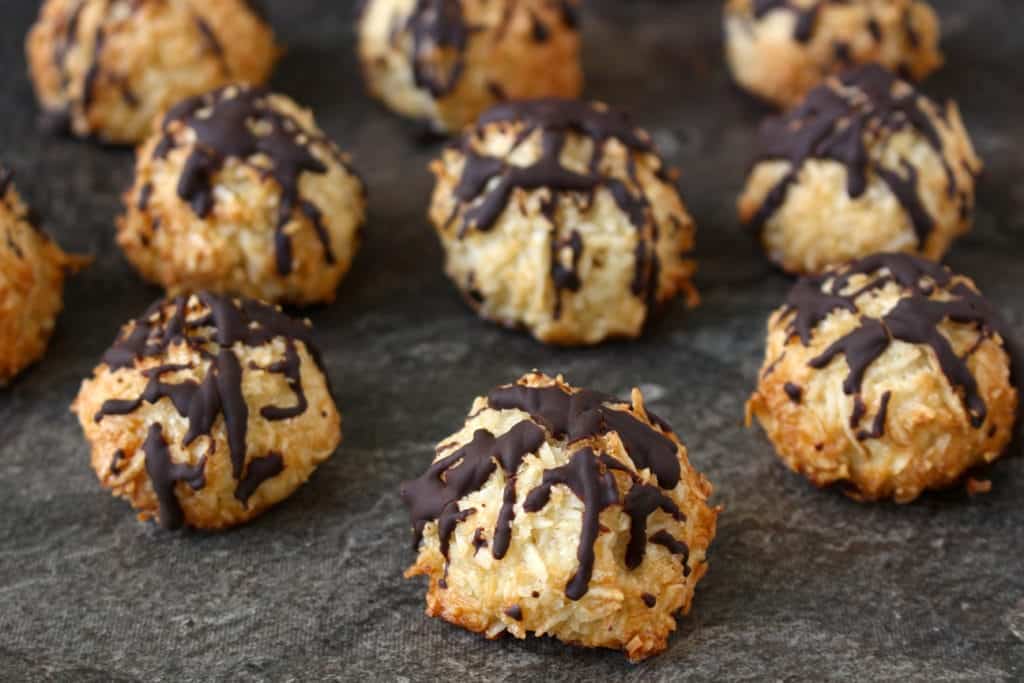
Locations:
{"points": [[803, 584]]}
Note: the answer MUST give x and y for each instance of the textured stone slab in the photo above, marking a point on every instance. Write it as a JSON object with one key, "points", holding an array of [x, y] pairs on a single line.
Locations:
{"points": [[803, 584]]}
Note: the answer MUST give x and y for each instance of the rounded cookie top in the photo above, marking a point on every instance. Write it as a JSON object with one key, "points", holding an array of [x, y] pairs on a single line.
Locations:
{"points": [[445, 61], [865, 163], [562, 511], [208, 410], [581, 185], [100, 67], [891, 373], [780, 49], [244, 177]]}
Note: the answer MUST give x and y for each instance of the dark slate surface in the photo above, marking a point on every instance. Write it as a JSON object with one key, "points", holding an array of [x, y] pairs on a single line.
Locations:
{"points": [[803, 584]]}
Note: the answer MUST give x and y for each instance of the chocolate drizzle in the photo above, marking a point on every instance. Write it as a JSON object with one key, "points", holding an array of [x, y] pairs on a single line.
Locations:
{"points": [[915, 320], [164, 474], [437, 25], [587, 414], [674, 546], [240, 123], [437, 492], [641, 502], [836, 123], [259, 470], [488, 183], [590, 475], [211, 326], [595, 486]]}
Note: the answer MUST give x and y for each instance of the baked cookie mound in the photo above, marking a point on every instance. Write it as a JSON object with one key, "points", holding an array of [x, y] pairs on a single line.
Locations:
{"points": [[562, 512], [780, 49], [558, 216], [239, 192], [866, 164], [208, 410], [106, 68], [446, 61], [32, 272], [891, 375]]}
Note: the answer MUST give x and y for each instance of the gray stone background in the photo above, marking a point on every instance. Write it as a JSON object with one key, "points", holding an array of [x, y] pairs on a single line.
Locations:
{"points": [[803, 584]]}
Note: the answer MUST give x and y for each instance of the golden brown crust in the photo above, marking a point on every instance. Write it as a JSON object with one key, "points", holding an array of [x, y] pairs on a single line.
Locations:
{"points": [[768, 58], [110, 67], [526, 591], [513, 50], [124, 457], [928, 438], [32, 272], [235, 248]]}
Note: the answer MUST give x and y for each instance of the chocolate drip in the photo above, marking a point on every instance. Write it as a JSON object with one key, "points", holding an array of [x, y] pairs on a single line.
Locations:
{"points": [[642, 501], [437, 25], [570, 14], [478, 540], [289, 366], [93, 72], [794, 391], [488, 183], [586, 414], [230, 322], [164, 474], [878, 425], [566, 277], [225, 123], [115, 462], [58, 121], [593, 484], [875, 29], [915, 320], [649, 599], [259, 470], [436, 494], [540, 32], [514, 612], [674, 546], [835, 122]]}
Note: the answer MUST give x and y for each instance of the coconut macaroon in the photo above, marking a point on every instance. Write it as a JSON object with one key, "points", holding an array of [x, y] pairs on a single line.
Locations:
{"points": [[564, 512], [890, 375], [865, 164], [558, 216], [445, 61], [780, 49], [106, 68], [208, 410], [32, 272], [238, 191]]}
